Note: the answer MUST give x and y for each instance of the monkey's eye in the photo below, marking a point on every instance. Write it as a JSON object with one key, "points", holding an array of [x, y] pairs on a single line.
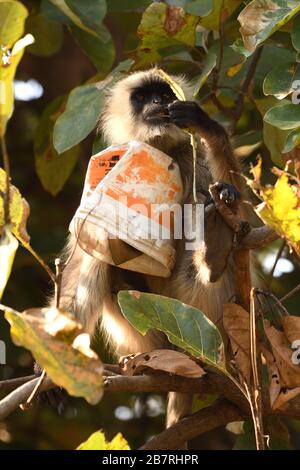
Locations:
{"points": [[139, 97]]}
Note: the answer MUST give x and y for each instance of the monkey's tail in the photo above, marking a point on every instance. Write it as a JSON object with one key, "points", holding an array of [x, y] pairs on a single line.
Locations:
{"points": [[179, 406]]}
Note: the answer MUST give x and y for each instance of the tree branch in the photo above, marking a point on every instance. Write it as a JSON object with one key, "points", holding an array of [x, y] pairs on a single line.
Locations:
{"points": [[258, 238], [212, 417], [12, 401]]}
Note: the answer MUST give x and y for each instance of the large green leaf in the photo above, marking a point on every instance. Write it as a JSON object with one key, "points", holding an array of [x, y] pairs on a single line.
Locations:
{"points": [[79, 119], [199, 7], [273, 137], [91, 13], [208, 65], [12, 18], [292, 140], [295, 34], [48, 35], [52, 169], [83, 110], [285, 116], [185, 326], [127, 5], [101, 53], [221, 11], [261, 18], [163, 26], [279, 81], [87, 15]]}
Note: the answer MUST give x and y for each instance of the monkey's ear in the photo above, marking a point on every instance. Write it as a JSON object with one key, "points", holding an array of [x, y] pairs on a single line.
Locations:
{"points": [[219, 244]]}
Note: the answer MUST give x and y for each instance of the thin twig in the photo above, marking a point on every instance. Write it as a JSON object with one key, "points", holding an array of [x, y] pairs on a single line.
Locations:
{"points": [[6, 165], [58, 278], [38, 258], [245, 86], [35, 390], [257, 399], [279, 253], [291, 293]]}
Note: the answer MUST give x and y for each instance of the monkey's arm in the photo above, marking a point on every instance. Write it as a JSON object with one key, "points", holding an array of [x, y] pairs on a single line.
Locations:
{"points": [[188, 114]]}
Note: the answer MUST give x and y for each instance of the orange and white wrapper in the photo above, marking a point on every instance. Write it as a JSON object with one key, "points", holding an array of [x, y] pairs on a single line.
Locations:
{"points": [[126, 215]]}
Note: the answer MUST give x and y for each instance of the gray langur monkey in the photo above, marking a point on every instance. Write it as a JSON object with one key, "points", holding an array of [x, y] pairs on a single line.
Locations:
{"points": [[135, 109]]}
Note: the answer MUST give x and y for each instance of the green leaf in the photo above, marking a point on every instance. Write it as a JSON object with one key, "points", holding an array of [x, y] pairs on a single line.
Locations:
{"points": [[295, 34], [81, 14], [8, 247], [261, 18], [12, 18], [273, 137], [163, 26], [285, 116], [199, 7], [48, 35], [58, 345], [279, 81], [101, 53], [209, 63], [292, 140], [127, 5], [185, 326], [52, 169], [212, 21], [97, 441], [70, 128], [91, 13]]}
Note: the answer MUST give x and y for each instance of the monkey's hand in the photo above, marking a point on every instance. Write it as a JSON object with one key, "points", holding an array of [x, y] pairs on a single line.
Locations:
{"points": [[227, 193], [188, 115]]}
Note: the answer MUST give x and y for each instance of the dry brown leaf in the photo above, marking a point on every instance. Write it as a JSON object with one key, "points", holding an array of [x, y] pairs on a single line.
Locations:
{"points": [[165, 360], [291, 326], [236, 322], [289, 372], [274, 377], [285, 396]]}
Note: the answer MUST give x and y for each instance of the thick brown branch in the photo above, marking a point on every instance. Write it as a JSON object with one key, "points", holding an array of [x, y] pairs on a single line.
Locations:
{"points": [[12, 384], [153, 384], [12, 401], [258, 238], [218, 414]]}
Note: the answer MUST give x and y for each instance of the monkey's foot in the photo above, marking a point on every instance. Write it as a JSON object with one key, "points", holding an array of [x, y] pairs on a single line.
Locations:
{"points": [[56, 398]]}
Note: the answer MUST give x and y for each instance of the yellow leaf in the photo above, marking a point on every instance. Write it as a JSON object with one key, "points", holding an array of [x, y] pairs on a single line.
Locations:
{"points": [[8, 247], [281, 210], [50, 338], [18, 210], [97, 441]]}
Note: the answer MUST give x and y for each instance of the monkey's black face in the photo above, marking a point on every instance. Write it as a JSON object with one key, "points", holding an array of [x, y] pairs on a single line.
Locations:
{"points": [[150, 102]]}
